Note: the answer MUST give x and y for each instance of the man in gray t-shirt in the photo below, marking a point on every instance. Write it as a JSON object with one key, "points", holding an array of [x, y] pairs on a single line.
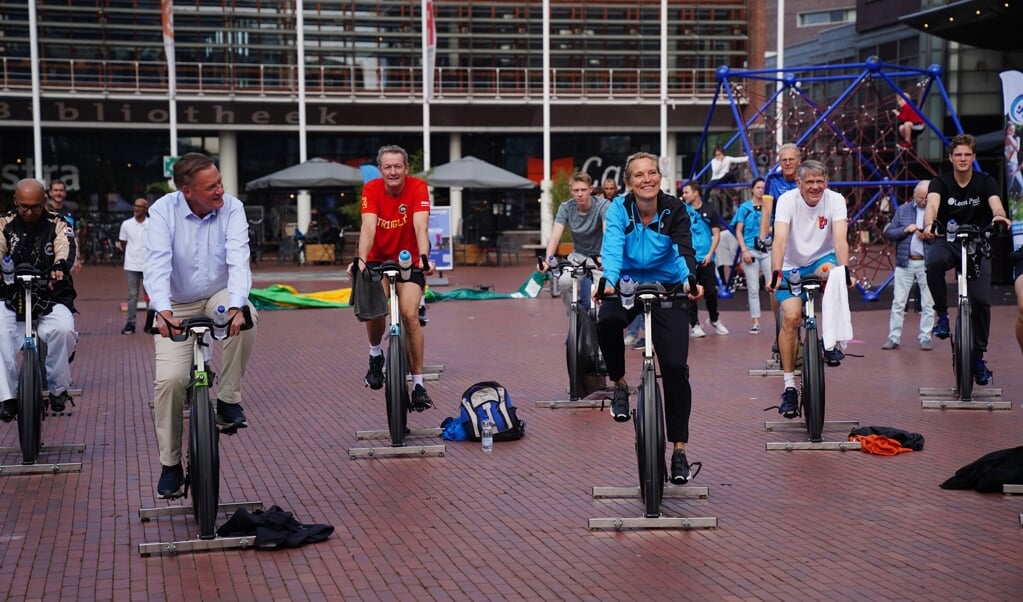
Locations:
{"points": [[583, 215]]}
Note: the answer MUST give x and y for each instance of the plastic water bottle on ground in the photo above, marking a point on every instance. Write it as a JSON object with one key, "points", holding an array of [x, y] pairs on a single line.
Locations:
{"points": [[220, 321], [8, 270], [627, 291], [795, 282], [405, 264], [487, 435]]}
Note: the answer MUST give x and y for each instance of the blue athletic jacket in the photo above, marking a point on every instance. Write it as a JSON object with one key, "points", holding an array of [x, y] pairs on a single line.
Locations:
{"points": [[660, 252]]}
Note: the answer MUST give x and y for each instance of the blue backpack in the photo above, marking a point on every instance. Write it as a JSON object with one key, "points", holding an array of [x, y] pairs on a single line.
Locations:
{"points": [[488, 399]]}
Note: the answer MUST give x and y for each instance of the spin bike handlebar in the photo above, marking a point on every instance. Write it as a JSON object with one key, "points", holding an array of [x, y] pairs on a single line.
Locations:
{"points": [[180, 333], [968, 231], [651, 290], [391, 267], [582, 266]]}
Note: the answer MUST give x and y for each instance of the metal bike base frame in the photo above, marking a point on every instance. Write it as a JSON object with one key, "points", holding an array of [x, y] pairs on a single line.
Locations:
{"points": [[195, 545], [587, 402], [43, 467], [958, 404], [946, 392], [673, 491], [1012, 489], [405, 451], [793, 425], [772, 372], [944, 398], [412, 432], [660, 522], [809, 445]]}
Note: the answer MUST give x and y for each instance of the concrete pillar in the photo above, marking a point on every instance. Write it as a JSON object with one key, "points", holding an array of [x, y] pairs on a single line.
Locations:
{"points": [[229, 163], [455, 152]]}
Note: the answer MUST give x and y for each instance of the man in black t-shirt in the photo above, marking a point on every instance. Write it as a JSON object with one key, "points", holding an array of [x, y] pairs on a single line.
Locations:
{"points": [[968, 197], [706, 269]]}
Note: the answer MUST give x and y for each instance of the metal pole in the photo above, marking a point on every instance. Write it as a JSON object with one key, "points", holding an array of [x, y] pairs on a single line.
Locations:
{"points": [[546, 205], [779, 134], [37, 127], [667, 164], [304, 203]]}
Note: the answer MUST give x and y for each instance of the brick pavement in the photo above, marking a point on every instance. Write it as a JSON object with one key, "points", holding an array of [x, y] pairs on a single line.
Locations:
{"points": [[468, 526]]}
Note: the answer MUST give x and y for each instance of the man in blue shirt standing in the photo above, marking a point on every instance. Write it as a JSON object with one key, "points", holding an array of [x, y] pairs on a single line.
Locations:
{"points": [[197, 258]]}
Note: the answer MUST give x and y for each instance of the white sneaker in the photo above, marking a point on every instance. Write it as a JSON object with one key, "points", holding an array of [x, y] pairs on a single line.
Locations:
{"points": [[718, 326], [630, 340], [697, 332]]}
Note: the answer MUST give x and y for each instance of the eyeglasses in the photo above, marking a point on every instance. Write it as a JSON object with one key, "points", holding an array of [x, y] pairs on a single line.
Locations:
{"points": [[141, 206], [30, 208]]}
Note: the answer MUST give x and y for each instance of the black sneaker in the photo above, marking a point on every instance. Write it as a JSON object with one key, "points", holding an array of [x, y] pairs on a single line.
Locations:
{"points": [[833, 357], [620, 404], [58, 403], [941, 329], [375, 374], [171, 484], [420, 400], [679, 467], [789, 407], [230, 417], [423, 320], [9, 410], [129, 328]]}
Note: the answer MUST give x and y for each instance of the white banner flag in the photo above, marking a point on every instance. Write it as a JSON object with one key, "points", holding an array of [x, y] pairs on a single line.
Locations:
{"points": [[167, 16], [1012, 100]]}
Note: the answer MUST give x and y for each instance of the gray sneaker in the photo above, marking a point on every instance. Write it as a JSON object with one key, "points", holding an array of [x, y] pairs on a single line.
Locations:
{"points": [[890, 344], [926, 345]]}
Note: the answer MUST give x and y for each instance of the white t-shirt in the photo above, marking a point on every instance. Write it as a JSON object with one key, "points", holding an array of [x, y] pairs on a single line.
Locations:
{"points": [[810, 236], [134, 235]]}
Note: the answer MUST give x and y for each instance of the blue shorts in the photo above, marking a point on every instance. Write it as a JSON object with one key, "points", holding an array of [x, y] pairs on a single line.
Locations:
{"points": [[784, 293]]}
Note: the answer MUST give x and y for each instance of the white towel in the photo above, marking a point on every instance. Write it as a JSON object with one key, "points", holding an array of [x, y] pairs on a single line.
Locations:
{"points": [[836, 320]]}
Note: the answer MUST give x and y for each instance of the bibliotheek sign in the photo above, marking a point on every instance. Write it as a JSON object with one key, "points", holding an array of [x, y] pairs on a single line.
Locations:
{"points": [[73, 111]]}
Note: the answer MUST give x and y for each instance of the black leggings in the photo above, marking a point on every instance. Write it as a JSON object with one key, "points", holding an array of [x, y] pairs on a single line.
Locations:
{"points": [[671, 343], [706, 275], [943, 256]]}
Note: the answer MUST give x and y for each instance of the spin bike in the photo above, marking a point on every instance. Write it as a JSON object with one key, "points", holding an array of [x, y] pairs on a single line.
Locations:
{"points": [[203, 472], [585, 363], [973, 243], [811, 398], [648, 417], [396, 372]]}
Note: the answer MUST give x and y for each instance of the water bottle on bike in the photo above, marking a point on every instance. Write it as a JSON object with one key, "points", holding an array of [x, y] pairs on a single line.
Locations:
{"points": [[8, 270], [405, 264], [950, 230], [220, 323], [795, 282], [627, 291]]}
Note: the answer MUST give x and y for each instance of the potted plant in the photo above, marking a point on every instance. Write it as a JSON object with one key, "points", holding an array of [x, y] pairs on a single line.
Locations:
{"points": [[561, 192]]}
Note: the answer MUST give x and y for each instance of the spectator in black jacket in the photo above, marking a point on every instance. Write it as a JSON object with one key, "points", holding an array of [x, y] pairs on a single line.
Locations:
{"points": [[32, 235]]}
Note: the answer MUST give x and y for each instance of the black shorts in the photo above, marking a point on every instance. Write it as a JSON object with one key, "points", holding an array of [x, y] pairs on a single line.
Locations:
{"points": [[417, 275]]}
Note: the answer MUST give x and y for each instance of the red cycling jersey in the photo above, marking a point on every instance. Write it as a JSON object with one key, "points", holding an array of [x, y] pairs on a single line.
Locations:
{"points": [[395, 230]]}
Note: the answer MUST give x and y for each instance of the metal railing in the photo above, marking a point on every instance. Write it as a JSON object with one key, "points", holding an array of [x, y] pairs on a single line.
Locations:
{"points": [[355, 81]]}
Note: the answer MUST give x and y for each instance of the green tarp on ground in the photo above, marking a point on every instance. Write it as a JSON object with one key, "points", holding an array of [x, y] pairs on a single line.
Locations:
{"points": [[283, 296]]}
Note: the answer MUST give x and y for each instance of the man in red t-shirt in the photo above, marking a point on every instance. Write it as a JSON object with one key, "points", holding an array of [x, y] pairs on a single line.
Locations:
{"points": [[395, 215]]}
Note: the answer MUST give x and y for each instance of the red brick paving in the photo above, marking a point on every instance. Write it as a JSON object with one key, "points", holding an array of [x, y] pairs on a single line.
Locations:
{"points": [[469, 526]]}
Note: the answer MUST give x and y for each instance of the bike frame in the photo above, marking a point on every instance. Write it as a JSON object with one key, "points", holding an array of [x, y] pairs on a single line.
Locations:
{"points": [[577, 271], [396, 390], [813, 396], [30, 380]]}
